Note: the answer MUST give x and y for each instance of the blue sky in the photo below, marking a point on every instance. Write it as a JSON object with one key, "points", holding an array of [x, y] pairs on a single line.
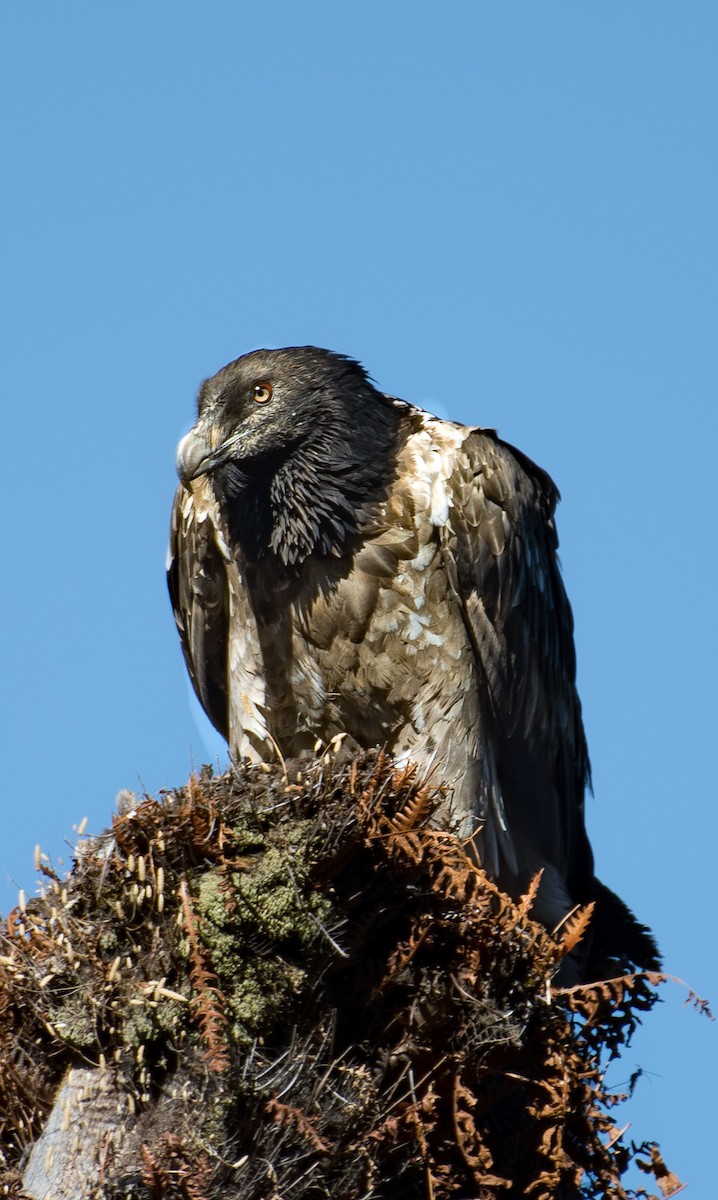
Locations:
{"points": [[507, 211]]}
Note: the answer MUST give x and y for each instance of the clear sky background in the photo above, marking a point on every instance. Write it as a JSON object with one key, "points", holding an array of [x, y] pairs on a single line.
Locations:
{"points": [[508, 212]]}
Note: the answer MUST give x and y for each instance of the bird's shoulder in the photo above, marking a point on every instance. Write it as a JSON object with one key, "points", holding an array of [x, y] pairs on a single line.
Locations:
{"points": [[466, 473], [494, 512]]}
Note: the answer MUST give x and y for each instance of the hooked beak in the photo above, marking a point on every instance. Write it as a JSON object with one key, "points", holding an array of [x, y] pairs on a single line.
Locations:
{"points": [[196, 457]]}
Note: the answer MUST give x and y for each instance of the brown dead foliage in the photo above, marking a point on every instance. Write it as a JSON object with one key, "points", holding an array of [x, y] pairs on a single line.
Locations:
{"points": [[305, 990], [207, 1001], [172, 1171]]}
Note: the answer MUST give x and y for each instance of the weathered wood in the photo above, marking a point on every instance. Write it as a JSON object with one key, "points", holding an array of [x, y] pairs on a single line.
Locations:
{"points": [[84, 1131], [303, 989]]}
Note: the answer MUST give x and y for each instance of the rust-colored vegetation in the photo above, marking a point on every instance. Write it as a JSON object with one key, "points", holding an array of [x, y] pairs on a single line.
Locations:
{"points": [[302, 990]]}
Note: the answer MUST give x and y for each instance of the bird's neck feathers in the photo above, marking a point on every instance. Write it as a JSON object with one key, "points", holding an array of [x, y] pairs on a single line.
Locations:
{"points": [[312, 500]]}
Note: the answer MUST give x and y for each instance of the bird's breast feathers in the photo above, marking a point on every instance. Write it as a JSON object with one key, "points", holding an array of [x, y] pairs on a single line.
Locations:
{"points": [[345, 564], [375, 648]]}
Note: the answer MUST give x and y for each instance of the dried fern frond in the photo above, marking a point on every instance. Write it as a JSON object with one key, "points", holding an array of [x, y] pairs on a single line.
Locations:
{"points": [[294, 986]]}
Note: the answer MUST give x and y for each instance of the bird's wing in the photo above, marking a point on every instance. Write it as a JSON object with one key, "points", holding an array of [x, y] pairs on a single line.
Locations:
{"points": [[500, 547], [197, 580]]}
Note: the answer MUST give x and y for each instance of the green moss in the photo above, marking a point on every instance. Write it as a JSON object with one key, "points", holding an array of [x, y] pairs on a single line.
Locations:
{"points": [[441, 984], [254, 923], [272, 900], [108, 942], [170, 1016], [246, 839], [74, 1020], [139, 1027], [212, 901], [263, 996]]}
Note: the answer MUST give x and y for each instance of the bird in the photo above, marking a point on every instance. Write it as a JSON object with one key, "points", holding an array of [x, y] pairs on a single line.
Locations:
{"points": [[344, 564]]}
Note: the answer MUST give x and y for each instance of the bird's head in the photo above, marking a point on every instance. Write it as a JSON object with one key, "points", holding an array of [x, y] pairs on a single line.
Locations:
{"points": [[293, 441]]}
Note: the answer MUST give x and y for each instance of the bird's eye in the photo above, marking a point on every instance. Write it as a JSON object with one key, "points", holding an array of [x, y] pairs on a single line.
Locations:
{"points": [[262, 392]]}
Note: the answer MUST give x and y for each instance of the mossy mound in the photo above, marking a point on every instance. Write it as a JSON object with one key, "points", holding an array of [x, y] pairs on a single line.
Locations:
{"points": [[294, 987]]}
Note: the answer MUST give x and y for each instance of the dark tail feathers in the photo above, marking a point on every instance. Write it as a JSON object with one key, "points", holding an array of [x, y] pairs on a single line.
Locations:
{"points": [[619, 942]]}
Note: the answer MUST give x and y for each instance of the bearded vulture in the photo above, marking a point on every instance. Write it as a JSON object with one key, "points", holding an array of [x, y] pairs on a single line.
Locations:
{"points": [[342, 562]]}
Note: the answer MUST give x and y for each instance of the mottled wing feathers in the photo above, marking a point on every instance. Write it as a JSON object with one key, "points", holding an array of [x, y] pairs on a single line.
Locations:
{"points": [[342, 562], [198, 591], [500, 547]]}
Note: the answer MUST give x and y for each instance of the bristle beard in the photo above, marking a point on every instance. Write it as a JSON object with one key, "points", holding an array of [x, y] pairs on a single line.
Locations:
{"points": [[312, 501]]}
